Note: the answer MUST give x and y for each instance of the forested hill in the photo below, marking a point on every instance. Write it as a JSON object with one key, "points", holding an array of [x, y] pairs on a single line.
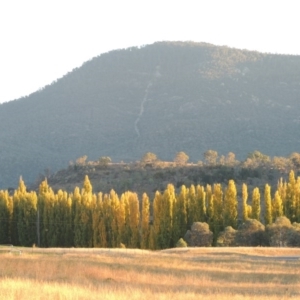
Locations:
{"points": [[164, 98]]}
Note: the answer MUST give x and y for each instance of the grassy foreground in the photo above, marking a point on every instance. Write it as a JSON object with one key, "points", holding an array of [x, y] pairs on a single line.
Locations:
{"points": [[186, 273]]}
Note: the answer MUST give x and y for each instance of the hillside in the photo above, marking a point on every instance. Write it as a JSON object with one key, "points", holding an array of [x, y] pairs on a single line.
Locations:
{"points": [[164, 98]]}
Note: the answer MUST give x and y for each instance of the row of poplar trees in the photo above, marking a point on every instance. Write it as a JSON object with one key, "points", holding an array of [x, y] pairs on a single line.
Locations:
{"points": [[86, 219]]}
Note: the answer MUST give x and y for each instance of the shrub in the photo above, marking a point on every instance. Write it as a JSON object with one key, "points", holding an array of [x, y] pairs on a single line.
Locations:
{"points": [[181, 243]]}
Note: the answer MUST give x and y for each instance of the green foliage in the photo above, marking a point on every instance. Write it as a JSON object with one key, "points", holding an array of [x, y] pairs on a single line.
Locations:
{"points": [[256, 155], [163, 213], [27, 215], [84, 219], [180, 214], [268, 205], [5, 217], [251, 233], [245, 198], [145, 227], [181, 243], [230, 205], [255, 204]]}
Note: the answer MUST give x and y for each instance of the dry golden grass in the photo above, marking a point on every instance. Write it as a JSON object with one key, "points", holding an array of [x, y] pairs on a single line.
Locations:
{"points": [[186, 273]]}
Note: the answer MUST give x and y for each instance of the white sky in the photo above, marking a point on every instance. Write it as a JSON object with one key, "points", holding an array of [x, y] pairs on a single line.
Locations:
{"points": [[42, 40]]}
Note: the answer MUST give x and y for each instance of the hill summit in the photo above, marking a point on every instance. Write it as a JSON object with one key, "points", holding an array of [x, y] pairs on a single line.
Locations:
{"points": [[164, 98]]}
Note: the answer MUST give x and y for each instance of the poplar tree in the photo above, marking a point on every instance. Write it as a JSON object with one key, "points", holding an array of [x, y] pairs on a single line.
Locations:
{"points": [[83, 217], [76, 204], [52, 227], [163, 208], [180, 214], [63, 219], [121, 220], [218, 209], [27, 215], [256, 204], [277, 209], [245, 205], [107, 220], [134, 220], [298, 200], [145, 227], [201, 204], [192, 206], [230, 205], [14, 220], [114, 205], [268, 205], [98, 223], [290, 202], [210, 206], [5, 217], [45, 197], [282, 190], [152, 239]]}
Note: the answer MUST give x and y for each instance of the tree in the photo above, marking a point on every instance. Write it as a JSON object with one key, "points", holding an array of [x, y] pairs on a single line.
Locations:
{"points": [[163, 213], [81, 161], [218, 209], [268, 205], [83, 223], [27, 213], [145, 227], [5, 217], [291, 195], [230, 205], [149, 158], [192, 206], [210, 157], [295, 159], [210, 206], [180, 214], [104, 161], [277, 209], [256, 155], [134, 220], [245, 198], [201, 203], [230, 159], [255, 204], [181, 158]]}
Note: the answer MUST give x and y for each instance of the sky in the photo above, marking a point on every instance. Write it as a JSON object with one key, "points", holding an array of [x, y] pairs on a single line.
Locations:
{"points": [[40, 41]]}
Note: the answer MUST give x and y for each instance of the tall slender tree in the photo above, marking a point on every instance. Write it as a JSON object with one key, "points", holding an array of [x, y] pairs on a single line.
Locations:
{"points": [[256, 204], [245, 205], [277, 207], [145, 222], [268, 205], [5, 217], [230, 205]]}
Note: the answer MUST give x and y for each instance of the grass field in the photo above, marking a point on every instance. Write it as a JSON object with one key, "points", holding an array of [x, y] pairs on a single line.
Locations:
{"points": [[185, 273]]}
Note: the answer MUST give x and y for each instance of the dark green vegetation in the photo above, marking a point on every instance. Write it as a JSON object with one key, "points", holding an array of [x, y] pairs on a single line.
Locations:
{"points": [[164, 98]]}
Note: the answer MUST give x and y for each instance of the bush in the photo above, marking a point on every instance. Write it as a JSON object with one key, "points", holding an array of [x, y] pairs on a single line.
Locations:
{"points": [[251, 233], [227, 237], [181, 243], [199, 235]]}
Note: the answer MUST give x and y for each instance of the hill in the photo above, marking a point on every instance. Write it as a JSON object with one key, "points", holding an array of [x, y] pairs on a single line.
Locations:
{"points": [[164, 98]]}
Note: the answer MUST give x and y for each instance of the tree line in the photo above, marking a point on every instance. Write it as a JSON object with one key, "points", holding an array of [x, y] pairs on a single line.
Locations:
{"points": [[87, 219]]}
